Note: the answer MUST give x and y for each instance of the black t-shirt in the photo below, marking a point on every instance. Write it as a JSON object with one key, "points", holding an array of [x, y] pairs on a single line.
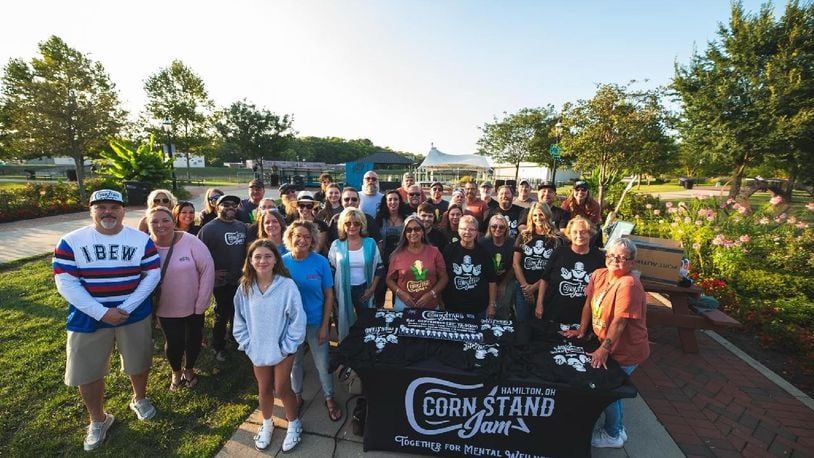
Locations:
{"points": [[512, 216], [559, 217], [438, 239], [438, 209], [501, 255], [535, 254], [566, 276], [452, 236], [470, 272]]}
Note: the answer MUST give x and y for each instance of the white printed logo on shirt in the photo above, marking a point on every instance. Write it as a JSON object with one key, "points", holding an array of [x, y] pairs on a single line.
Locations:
{"points": [[574, 281], [467, 275]]}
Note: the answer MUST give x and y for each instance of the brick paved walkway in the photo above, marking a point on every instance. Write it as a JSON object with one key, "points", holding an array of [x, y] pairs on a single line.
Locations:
{"points": [[714, 404]]}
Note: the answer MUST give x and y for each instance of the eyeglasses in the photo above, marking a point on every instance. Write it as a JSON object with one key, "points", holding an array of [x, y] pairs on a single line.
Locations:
{"points": [[414, 194], [161, 201], [612, 257], [437, 189], [371, 179], [306, 206], [408, 230], [498, 226], [350, 199], [467, 229]]}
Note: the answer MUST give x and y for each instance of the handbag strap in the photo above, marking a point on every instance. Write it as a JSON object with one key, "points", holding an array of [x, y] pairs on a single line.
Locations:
{"points": [[169, 256]]}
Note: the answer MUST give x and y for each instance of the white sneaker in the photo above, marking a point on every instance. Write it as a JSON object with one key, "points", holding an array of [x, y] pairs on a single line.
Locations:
{"points": [[623, 434], [263, 437], [293, 436], [604, 440], [143, 408], [97, 431]]}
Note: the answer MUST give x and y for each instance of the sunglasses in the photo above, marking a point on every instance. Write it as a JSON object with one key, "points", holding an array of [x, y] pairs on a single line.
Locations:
{"points": [[353, 224], [213, 198], [371, 179], [498, 226], [306, 206], [413, 229], [161, 201], [611, 257], [414, 194], [350, 199]]}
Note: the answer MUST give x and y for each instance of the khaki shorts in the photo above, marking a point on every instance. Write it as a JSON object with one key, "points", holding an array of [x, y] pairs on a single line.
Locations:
{"points": [[89, 352]]}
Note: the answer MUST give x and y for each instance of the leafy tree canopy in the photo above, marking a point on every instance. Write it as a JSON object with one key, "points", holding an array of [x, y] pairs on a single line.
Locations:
{"points": [[60, 104], [252, 133]]}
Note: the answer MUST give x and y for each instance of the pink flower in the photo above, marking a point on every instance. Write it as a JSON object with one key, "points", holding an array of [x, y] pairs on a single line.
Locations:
{"points": [[722, 205], [672, 210], [764, 221], [782, 216], [648, 206], [802, 225], [730, 201], [741, 209], [710, 218], [776, 200], [687, 219], [792, 219], [745, 238], [669, 205], [698, 222], [657, 212]]}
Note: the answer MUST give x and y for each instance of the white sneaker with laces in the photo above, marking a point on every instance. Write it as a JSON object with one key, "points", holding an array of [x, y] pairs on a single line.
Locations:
{"points": [[293, 436], [97, 431], [604, 440], [263, 437], [143, 408]]}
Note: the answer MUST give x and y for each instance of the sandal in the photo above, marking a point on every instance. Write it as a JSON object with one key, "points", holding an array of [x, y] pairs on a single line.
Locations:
{"points": [[190, 382], [335, 412], [177, 386]]}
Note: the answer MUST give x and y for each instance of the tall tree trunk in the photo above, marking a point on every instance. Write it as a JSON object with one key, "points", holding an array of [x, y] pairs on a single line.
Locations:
{"points": [[787, 193], [79, 163], [737, 177], [517, 173]]}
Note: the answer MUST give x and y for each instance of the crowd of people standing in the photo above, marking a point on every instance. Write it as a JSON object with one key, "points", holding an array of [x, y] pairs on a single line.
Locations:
{"points": [[281, 274]]}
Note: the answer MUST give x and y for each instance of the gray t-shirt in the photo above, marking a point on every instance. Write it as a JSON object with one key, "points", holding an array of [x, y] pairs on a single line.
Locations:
{"points": [[227, 244]]}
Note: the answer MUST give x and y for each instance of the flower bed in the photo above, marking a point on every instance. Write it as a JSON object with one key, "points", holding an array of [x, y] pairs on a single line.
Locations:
{"points": [[35, 200], [758, 263]]}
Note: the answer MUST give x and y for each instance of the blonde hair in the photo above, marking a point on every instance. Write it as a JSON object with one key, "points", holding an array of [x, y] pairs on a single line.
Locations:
{"points": [[288, 238], [579, 219], [155, 193], [531, 227], [351, 214]]}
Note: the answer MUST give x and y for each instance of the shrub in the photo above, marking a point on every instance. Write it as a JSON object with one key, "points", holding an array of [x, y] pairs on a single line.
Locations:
{"points": [[97, 183], [761, 284]]}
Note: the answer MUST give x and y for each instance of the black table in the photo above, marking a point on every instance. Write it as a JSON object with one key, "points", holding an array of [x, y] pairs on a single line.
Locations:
{"points": [[427, 407]]}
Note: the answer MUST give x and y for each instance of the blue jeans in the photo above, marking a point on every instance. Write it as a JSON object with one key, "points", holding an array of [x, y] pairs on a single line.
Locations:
{"points": [[320, 355], [523, 309], [613, 412]]}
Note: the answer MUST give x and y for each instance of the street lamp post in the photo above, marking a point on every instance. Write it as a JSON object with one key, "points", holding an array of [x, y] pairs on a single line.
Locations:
{"points": [[169, 150], [558, 131]]}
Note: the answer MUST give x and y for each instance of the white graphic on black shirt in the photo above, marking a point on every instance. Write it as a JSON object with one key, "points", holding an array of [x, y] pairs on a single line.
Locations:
{"points": [[574, 280], [498, 327], [381, 337], [467, 275], [482, 350], [389, 316], [571, 356], [234, 238], [537, 256]]}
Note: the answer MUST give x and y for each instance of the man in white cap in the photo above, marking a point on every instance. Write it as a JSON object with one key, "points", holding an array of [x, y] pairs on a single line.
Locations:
{"points": [[106, 272]]}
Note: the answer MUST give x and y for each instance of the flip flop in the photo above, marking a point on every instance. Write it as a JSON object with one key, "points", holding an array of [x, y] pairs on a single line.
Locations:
{"points": [[190, 382], [335, 413]]}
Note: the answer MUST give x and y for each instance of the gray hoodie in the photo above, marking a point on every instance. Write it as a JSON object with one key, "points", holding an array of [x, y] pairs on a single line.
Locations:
{"points": [[269, 326]]}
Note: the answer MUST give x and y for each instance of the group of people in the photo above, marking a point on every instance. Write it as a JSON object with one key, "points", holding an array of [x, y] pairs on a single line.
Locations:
{"points": [[281, 274]]}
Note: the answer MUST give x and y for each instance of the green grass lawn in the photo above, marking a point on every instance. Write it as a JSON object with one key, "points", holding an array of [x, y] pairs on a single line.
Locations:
{"points": [[40, 416]]}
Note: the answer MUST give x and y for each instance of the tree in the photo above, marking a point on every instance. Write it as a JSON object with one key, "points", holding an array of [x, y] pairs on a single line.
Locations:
{"points": [[254, 133], [748, 100], [524, 136], [62, 103], [618, 131], [178, 94]]}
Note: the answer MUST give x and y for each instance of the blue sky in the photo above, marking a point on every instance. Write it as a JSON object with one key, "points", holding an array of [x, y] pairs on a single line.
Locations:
{"points": [[401, 73]]}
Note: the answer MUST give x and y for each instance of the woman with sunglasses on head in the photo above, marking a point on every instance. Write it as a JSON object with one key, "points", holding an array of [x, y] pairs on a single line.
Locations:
{"points": [[157, 198], [270, 326], [210, 210], [184, 216], [501, 248], [580, 203], [357, 266], [188, 275], [331, 206], [615, 310], [390, 219], [532, 251], [562, 292], [312, 274], [472, 285], [417, 272]]}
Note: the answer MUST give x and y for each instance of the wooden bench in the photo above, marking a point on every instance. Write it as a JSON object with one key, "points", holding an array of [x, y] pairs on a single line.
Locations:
{"points": [[669, 305]]}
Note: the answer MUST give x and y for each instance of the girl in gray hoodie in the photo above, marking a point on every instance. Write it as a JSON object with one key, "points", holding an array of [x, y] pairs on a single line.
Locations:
{"points": [[269, 325]]}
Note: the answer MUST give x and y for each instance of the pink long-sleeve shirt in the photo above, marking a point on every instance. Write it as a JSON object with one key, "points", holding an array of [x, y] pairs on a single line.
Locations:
{"points": [[187, 285]]}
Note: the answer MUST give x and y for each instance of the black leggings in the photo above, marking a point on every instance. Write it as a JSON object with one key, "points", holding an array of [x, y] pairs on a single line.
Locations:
{"points": [[182, 336], [224, 314]]}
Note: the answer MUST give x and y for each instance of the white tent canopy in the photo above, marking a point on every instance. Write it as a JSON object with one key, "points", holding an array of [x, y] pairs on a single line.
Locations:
{"points": [[436, 160]]}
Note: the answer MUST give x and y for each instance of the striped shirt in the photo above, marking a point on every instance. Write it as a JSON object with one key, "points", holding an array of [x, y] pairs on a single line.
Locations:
{"points": [[94, 272]]}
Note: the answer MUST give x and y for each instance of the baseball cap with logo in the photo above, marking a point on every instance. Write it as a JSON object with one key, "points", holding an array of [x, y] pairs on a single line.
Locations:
{"points": [[229, 198], [547, 184], [305, 196], [106, 195], [580, 185]]}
